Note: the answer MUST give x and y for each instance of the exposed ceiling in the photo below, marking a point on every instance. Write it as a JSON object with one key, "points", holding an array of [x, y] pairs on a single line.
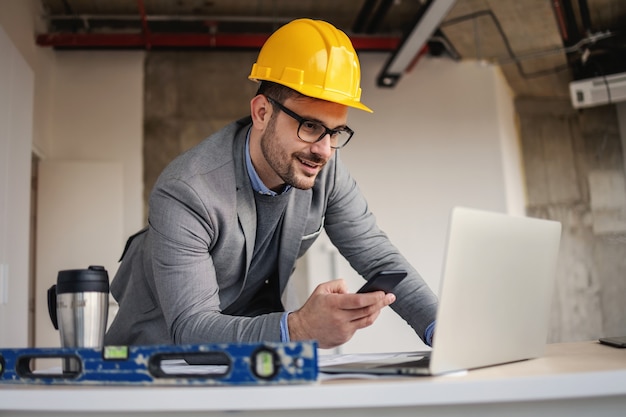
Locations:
{"points": [[541, 45]]}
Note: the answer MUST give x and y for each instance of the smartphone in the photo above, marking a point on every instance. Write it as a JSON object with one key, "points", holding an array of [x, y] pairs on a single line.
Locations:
{"points": [[619, 342], [383, 281]]}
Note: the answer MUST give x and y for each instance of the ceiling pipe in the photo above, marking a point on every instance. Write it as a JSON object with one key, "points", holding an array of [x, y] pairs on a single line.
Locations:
{"points": [[415, 43], [189, 40], [145, 29], [560, 18], [585, 16], [379, 16], [363, 16], [573, 34], [169, 18]]}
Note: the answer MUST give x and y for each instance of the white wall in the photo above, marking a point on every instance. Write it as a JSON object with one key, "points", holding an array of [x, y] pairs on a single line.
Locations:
{"points": [[88, 108], [95, 125], [16, 115], [96, 114], [20, 19], [432, 142], [79, 223], [512, 164], [439, 139]]}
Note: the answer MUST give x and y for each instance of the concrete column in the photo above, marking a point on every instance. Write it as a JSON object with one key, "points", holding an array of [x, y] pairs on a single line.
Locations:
{"points": [[621, 120]]}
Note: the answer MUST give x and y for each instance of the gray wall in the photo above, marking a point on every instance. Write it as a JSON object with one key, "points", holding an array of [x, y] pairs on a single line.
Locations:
{"points": [[574, 173], [188, 96]]}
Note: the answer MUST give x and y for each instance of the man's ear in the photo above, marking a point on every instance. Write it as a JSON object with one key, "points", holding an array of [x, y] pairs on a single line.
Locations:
{"points": [[261, 111]]}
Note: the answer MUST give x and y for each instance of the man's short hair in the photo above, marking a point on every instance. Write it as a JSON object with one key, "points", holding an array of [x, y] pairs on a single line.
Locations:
{"points": [[276, 91]]}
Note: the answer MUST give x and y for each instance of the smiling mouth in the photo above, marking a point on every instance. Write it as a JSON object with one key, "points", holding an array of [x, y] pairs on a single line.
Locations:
{"points": [[309, 163], [311, 167]]}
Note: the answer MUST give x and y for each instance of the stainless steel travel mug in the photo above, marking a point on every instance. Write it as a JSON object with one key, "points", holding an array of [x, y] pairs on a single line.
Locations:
{"points": [[79, 306]]}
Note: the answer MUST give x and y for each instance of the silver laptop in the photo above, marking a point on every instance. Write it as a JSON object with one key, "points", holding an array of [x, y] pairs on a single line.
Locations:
{"points": [[494, 300]]}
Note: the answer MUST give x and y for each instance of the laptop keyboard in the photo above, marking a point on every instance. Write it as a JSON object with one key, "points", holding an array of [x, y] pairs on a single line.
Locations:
{"points": [[423, 362]]}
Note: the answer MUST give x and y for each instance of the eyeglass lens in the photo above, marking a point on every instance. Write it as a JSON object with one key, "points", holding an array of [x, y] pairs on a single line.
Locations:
{"points": [[311, 132]]}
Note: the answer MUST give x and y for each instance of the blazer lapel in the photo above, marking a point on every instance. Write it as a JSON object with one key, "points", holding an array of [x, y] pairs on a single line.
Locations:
{"points": [[294, 222], [246, 210]]}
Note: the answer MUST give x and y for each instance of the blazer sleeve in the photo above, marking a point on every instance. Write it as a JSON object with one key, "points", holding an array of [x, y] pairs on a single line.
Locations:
{"points": [[352, 228]]}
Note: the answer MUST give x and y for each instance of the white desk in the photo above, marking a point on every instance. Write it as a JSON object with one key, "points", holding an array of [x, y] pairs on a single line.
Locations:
{"points": [[572, 379]]}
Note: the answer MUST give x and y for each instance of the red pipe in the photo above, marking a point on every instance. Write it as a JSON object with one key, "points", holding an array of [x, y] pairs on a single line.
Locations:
{"points": [[189, 40], [558, 10], [144, 23]]}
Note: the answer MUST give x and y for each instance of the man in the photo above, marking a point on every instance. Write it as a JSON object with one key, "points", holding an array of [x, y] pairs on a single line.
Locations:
{"points": [[229, 218]]}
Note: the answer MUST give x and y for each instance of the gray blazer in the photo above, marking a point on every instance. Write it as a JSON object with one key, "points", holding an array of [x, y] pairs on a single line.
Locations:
{"points": [[191, 262]]}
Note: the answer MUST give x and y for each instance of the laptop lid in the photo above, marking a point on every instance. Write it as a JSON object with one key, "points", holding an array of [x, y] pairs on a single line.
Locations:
{"points": [[495, 295], [496, 290]]}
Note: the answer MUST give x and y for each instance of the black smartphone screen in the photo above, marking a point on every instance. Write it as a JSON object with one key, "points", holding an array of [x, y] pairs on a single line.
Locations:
{"points": [[383, 281]]}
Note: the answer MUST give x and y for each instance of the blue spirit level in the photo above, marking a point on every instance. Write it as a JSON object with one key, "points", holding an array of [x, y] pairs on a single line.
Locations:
{"points": [[209, 364]]}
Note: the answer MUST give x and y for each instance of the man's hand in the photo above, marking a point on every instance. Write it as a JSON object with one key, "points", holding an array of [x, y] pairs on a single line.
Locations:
{"points": [[331, 315]]}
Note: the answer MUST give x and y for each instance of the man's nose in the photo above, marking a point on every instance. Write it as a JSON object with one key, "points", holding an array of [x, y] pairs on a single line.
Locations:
{"points": [[322, 147]]}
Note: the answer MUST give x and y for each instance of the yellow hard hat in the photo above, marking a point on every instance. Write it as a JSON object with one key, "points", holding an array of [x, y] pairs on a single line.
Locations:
{"points": [[314, 58]]}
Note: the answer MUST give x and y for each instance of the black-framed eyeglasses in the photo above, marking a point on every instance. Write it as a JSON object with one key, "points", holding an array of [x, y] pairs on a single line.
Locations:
{"points": [[311, 131]]}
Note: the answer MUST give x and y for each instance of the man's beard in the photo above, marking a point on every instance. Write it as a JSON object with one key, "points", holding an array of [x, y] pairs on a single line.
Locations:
{"points": [[284, 164]]}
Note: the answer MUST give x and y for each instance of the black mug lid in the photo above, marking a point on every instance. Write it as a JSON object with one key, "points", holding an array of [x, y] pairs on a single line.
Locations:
{"points": [[93, 279]]}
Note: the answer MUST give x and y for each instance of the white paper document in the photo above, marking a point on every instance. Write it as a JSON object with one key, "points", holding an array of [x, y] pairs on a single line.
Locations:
{"points": [[326, 360]]}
